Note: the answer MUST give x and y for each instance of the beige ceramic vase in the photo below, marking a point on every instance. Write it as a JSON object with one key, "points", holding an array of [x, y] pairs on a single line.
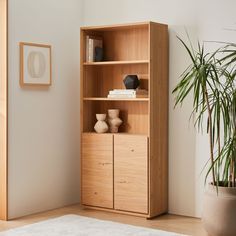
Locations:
{"points": [[219, 211], [101, 125], [114, 120]]}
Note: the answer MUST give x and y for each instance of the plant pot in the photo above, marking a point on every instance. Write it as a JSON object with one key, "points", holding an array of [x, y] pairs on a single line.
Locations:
{"points": [[219, 211]]}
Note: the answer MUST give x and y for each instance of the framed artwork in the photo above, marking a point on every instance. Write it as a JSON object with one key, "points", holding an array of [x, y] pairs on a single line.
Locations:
{"points": [[35, 64]]}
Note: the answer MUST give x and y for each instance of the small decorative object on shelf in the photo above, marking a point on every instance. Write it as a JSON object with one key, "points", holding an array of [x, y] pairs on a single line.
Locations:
{"points": [[101, 125], [94, 48], [114, 120], [128, 93], [131, 81], [98, 54]]}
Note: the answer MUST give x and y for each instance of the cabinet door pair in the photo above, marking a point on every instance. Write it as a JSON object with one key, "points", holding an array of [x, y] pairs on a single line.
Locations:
{"points": [[115, 171]]}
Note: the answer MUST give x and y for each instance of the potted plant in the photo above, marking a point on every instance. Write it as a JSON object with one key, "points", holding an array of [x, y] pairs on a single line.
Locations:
{"points": [[210, 78]]}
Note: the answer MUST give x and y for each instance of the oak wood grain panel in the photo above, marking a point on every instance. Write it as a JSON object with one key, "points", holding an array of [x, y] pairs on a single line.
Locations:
{"points": [[115, 27], [158, 71], [3, 109], [99, 80], [97, 170], [144, 215], [116, 99], [123, 62], [134, 115], [126, 44], [82, 59], [90, 109], [131, 173]]}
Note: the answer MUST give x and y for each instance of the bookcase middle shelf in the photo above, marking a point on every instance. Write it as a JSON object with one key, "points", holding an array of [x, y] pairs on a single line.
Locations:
{"points": [[115, 99], [116, 62]]}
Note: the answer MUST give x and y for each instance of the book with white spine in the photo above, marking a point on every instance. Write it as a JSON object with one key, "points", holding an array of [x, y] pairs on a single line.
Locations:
{"points": [[121, 96], [87, 48], [128, 92], [123, 91], [127, 96]]}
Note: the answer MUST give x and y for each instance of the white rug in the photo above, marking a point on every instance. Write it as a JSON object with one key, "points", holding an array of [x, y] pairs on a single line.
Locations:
{"points": [[74, 225]]}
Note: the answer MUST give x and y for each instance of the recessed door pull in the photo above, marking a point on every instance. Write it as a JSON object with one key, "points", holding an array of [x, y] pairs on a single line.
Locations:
{"points": [[104, 163]]}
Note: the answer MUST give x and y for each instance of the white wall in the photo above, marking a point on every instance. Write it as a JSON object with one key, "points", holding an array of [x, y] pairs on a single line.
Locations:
{"points": [[43, 123], [215, 23]]}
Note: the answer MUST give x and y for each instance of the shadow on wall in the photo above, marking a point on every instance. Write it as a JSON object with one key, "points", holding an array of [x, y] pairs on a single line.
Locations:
{"points": [[182, 136]]}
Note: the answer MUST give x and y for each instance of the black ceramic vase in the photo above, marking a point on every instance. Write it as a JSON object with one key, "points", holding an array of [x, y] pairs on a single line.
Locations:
{"points": [[131, 82]]}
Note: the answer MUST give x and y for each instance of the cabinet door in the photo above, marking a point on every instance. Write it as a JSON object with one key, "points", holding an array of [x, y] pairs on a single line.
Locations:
{"points": [[131, 173], [97, 170]]}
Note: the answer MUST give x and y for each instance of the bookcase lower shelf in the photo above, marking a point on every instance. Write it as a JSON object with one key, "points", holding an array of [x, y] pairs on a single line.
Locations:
{"points": [[117, 211]]}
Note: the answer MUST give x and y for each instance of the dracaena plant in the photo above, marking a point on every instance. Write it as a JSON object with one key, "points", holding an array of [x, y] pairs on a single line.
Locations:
{"points": [[210, 78]]}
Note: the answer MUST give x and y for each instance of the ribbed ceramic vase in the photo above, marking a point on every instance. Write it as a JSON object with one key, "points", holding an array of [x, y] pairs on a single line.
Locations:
{"points": [[114, 120], [219, 211]]}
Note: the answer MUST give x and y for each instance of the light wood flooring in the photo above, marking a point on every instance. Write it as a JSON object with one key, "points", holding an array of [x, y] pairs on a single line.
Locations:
{"points": [[178, 224]]}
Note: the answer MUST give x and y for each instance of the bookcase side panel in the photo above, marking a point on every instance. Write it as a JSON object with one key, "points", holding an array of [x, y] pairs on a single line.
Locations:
{"points": [[158, 167]]}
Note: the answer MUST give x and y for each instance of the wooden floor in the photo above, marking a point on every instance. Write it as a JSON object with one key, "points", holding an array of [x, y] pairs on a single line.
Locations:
{"points": [[178, 224]]}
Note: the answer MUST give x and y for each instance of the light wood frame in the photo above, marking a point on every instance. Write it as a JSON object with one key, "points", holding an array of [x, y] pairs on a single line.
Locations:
{"points": [[22, 82], [3, 110]]}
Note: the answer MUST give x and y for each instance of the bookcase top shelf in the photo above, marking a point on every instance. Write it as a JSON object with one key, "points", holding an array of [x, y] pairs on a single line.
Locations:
{"points": [[115, 99], [120, 26], [116, 62]]}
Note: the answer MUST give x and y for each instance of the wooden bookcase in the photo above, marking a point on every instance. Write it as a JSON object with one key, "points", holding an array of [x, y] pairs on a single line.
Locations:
{"points": [[126, 172]]}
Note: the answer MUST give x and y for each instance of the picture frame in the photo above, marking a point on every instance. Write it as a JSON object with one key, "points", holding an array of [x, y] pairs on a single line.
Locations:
{"points": [[35, 64]]}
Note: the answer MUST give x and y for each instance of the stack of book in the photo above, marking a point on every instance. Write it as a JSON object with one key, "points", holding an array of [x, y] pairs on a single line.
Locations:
{"points": [[128, 93], [92, 42]]}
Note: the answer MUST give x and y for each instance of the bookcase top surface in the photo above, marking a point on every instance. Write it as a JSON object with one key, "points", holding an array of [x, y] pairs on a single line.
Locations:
{"points": [[119, 26]]}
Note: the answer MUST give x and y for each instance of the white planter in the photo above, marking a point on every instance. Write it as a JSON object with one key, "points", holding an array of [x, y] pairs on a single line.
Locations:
{"points": [[219, 211]]}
